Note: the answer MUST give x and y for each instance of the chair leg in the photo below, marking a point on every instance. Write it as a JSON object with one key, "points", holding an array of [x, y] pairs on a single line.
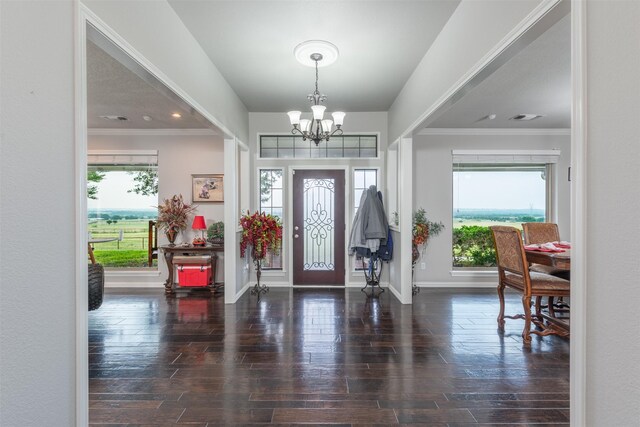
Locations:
{"points": [[539, 308], [526, 332], [552, 311], [501, 314]]}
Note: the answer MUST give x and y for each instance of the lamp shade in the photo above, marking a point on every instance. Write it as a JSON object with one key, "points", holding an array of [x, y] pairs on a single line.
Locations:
{"points": [[294, 117], [326, 125], [305, 125], [318, 111], [198, 223], [338, 117]]}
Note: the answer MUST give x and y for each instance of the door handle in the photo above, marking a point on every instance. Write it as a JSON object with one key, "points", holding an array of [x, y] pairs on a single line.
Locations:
{"points": [[295, 236], [296, 228]]}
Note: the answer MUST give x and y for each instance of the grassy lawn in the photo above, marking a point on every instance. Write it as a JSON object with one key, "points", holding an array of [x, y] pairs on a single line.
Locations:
{"points": [[130, 252], [122, 258]]}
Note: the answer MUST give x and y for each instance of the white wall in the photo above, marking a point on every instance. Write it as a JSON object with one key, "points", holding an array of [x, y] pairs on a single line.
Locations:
{"points": [[474, 28], [155, 31], [37, 226], [613, 202], [179, 156], [278, 123], [434, 192]]}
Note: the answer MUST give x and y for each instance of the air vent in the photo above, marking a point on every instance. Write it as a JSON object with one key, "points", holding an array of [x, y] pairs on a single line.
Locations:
{"points": [[525, 117], [115, 118]]}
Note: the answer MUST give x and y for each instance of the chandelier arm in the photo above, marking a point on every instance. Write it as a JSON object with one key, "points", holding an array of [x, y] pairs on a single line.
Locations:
{"points": [[336, 132]]}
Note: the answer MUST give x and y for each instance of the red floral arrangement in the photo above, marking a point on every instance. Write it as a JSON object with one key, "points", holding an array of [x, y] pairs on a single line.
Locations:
{"points": [[262, 232]]}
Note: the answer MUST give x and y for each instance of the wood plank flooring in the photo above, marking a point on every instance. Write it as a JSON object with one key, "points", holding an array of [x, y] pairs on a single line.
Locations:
{"points": [[321, 356]]}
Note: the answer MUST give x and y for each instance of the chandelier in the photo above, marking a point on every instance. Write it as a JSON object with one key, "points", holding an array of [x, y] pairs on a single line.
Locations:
{"points": [[318, 128]]}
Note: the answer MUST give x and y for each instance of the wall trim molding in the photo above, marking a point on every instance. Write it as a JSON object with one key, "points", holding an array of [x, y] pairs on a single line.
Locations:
{"points": [[494, 132], [445, 284], [151, 132]]}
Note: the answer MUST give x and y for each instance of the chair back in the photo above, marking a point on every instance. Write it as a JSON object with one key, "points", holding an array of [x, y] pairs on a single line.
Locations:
{"points": [[152, 242], [509, 250], [540, 232]]}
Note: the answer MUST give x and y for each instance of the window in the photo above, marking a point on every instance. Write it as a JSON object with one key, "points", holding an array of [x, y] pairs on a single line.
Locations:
{"points": [[122, 192], [362, 180], [493, 194], [293, 147], [272, 202]]}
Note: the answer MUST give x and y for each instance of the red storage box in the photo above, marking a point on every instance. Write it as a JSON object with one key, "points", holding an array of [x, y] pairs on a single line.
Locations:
{"points": [[194, 275]]}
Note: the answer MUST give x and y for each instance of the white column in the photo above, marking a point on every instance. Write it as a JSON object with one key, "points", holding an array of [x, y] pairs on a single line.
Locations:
{"points": [[405, 203], [231, 179]]}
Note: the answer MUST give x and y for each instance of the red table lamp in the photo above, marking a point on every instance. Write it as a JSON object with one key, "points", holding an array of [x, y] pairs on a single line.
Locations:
{"points": [[199, 224]]}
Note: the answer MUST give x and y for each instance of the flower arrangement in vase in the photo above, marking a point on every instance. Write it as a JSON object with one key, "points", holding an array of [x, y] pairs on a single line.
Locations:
{"points": [[422, 230], [172, 216], [260, 233]]}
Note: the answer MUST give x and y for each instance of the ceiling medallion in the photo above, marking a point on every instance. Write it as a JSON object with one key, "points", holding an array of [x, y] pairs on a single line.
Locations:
{"points": [[316, 53]]}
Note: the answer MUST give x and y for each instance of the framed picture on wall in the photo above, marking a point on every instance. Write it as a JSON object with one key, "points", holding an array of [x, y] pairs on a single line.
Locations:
{"points": [[207, 188]]}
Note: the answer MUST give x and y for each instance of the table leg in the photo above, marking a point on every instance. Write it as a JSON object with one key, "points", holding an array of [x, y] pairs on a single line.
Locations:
{"points": [[168, 285]]}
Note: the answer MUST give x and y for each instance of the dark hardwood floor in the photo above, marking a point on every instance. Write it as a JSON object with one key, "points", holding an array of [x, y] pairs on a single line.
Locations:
{"points": [[316, 356]]}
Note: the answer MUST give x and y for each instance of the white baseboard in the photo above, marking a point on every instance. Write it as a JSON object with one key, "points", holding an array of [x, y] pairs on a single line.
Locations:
{"points": [[394, 292], [150, 285], [456, 284]]}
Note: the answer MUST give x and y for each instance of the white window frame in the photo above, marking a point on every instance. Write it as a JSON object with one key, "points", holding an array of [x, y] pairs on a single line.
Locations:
{"points": [[549, 158], [259, 169], [352, 206]]}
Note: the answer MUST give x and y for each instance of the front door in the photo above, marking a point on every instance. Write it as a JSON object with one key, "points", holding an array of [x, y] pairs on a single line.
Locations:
{"points": [[318, 227]]}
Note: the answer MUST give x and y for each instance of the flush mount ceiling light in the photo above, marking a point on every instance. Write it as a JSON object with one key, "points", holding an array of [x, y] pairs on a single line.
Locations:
{"points": [[115, 118], [526, 117], [322, 126], [176, 115]]}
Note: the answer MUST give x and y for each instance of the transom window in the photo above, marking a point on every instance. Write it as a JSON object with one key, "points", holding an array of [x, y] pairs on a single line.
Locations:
{"points": [[293, 147]]}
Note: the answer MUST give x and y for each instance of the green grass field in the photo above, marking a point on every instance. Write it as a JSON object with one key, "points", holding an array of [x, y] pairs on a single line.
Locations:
{"points": [[130, 252]]}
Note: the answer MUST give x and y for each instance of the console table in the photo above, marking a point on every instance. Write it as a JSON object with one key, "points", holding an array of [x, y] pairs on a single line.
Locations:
{"points": [[170, 251]]}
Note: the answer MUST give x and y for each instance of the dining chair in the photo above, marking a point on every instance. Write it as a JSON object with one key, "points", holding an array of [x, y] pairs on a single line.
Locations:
{"points": [[540, 232], [513, 272], [543, 232]]}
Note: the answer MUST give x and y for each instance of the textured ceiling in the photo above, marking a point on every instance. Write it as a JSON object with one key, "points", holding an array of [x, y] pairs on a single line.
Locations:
{"points": [[115, 90], [252, 42], [537, 80]]}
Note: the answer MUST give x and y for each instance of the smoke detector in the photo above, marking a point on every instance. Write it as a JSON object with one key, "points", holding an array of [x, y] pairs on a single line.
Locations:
{"points": [[525, 117], [115, 118]]}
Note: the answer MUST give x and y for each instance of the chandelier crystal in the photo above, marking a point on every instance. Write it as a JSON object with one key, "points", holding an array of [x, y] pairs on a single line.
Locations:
{"points": [[318, 128]]}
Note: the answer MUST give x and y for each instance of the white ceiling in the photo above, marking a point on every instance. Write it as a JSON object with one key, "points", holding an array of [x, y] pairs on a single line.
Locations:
{"points": [[376, 60], [252, 42], [537, 80], [113, 89]]}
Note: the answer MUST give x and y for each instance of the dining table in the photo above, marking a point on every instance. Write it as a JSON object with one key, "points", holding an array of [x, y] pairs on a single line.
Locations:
{"points": [[561, 260]]}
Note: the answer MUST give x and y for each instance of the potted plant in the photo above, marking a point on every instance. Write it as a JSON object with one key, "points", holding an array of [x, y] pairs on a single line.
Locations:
{"points": [[422, 230], [260, 233], [215, 233], [172, 216]]}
